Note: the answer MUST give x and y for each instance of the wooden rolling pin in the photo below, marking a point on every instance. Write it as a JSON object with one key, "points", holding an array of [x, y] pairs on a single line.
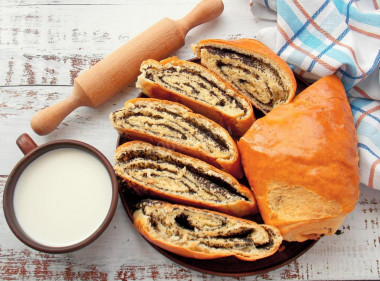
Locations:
{"points": [[116, 71]]}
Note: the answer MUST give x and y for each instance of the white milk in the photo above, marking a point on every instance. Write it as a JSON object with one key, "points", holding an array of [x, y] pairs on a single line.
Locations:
{"points": [[62, 197]]}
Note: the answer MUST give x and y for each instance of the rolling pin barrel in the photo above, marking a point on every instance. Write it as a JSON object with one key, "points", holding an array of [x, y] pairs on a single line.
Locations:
{"points": [[116, 71]]}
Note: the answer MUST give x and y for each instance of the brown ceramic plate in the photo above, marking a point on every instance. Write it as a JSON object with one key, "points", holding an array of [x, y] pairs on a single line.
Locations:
{"points": [[229, 266]]}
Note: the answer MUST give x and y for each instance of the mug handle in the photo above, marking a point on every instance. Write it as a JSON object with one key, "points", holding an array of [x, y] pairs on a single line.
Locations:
{"points": [[26, 143]]}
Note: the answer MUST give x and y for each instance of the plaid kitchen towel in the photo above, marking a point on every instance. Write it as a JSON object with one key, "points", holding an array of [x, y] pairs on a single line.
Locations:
{"points": [[318, 38]]}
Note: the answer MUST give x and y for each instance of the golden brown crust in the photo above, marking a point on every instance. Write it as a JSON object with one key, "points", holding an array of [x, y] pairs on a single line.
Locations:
{"points": [[254, 48], [231, 165], [237, 124], [193, 244], [308, 149], [230, 198]]}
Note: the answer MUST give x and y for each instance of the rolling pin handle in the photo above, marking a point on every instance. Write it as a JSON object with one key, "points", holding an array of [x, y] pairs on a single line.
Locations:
{"points": [[48, 119], [203, 12]]}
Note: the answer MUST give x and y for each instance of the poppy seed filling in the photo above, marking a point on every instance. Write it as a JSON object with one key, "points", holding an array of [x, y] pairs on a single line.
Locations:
{"points": [[201, 230], [165, 121], [198, 85], [260, 81], [176, 175]]}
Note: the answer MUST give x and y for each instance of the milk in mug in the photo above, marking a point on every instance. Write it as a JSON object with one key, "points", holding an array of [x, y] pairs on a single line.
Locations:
{"points": [[62, 197]]}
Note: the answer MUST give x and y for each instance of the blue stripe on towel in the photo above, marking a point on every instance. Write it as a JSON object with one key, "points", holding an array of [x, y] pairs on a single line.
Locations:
{"points": [[303, 28], [370, 130], [357, 15], [340, 37], [373, 67], [363, 111], [348, 11], [361, 145]]}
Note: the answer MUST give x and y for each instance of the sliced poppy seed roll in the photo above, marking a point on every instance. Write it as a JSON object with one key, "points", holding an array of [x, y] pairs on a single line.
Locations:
{"points": [[172, 125], [162, 173], [204, 234], [199, 89], [251, 68]]}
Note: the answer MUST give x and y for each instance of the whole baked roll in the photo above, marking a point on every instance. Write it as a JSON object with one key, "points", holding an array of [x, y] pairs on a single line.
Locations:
{"points": [[175, 126], [157, 172], [203, 234], [199, 89], [252, 68], [301, 161]]}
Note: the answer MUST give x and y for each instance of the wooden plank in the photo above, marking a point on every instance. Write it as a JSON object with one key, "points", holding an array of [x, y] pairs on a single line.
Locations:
{"points": [[40, 46]]}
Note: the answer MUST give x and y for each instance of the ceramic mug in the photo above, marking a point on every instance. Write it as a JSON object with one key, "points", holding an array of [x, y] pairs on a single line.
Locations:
{"points": [[25, 228]]}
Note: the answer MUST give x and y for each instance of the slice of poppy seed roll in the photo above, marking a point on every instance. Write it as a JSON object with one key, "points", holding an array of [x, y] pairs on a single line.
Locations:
{"points": [[162, 173], [199, 89], [252, 68], [204, 234], [172, 125]]}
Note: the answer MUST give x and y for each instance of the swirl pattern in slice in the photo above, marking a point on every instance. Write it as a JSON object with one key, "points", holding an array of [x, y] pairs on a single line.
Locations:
{"points": [[163, 173], [251, 68], [204, 234], [175, 126]]}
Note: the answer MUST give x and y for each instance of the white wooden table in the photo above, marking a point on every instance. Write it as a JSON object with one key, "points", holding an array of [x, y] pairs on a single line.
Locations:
{"points": [[44, 45]]}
